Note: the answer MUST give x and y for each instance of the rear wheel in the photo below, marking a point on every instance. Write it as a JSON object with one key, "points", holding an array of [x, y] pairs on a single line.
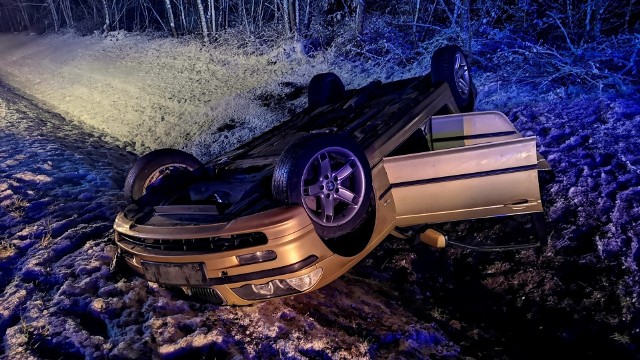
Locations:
{"points": [[449, 65], [159, 170], [330, 177], [325, 89]]}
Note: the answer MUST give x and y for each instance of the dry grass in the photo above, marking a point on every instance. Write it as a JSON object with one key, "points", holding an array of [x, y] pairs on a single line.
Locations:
{"points": [[46, 237], [16, 206], [7, 249]]}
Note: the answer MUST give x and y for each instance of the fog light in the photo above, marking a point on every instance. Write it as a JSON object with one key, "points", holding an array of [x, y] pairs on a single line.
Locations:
{"points": [[279, 287], [257, 257], [264, 289]]}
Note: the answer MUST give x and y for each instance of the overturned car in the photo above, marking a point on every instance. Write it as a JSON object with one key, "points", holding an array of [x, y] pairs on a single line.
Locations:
{"points": [[295, 208]]}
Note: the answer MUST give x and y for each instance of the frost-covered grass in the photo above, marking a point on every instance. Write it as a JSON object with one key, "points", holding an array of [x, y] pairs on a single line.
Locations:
{"points": [[61, 184]]}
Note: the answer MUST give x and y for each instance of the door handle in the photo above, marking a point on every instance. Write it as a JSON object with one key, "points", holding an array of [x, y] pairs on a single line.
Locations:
{"points": [[521, 204]]}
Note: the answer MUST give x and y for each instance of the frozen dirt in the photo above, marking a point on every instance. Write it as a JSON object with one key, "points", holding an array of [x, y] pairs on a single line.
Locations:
{"points": [[60, 189]]}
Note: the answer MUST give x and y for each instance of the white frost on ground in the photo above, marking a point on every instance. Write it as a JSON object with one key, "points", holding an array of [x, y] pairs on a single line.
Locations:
{"points": [[154, 93]]}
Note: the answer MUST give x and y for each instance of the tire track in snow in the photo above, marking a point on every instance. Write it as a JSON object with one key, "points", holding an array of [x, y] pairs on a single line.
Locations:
{"points": [[60, 189]]}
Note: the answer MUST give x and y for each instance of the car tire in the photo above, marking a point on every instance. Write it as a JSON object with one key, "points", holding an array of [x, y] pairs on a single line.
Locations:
{"points": [[330, 177], [449, 65], [156, 167], [325, 89]]}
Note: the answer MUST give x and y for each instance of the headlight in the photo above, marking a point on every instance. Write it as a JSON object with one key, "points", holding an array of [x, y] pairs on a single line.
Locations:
{"points": [[279, 287]]}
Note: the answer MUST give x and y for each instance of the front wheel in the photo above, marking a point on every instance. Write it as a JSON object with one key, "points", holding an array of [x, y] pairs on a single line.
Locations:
{"points": [[330, 177]]}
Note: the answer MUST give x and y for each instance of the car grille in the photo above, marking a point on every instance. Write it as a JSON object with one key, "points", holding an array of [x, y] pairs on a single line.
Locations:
{"points": [[208, 295], [212, 244]]}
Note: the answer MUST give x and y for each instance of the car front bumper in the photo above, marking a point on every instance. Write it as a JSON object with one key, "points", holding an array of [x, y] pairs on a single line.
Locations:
{"points": [[262, 256]]}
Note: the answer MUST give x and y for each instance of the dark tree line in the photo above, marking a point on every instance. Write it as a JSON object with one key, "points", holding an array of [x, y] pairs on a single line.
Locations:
{"points": [[176, 17], [570, 21]]}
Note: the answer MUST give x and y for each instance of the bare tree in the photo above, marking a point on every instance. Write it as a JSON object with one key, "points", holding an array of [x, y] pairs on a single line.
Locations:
{"points": [[465, 26], [245, 20], [446, 10], [285, 16], [260, 13], [224, 15], [54, 14], [212, 16], [456, 12], [203, 21], [164, 27], [66, 12], [597, 21], [145, 13], [183, 19], [7, 18], [25, 16], [628, 16], [119, 10], [292, 8], [415, 17], [307, 16], [360, 9], [172, 22], [107, 21]]}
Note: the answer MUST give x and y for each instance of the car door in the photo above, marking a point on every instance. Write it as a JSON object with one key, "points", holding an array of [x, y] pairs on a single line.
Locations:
{"points": [[478, 166]]}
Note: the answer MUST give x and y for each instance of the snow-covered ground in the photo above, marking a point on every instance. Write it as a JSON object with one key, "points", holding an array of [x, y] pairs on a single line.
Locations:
{"points": [[61, 188]]}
